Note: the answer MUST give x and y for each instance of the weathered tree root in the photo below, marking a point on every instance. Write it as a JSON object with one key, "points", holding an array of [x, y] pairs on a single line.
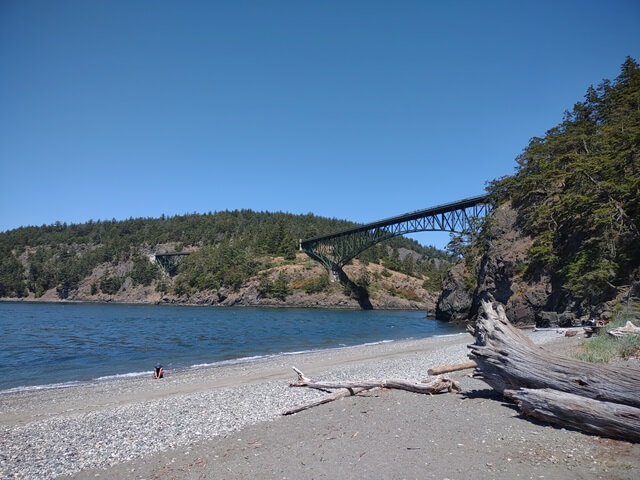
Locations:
{"points": [[593, 398]]}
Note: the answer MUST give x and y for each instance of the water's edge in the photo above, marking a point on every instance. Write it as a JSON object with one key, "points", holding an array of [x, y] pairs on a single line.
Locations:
{"points": [[212, 365]]}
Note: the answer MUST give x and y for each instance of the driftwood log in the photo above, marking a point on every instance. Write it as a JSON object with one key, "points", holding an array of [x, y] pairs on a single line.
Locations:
{"points": [[341, 393], [547, 385], [437, 384], [606, 419], [454, 367], [628, 329]]}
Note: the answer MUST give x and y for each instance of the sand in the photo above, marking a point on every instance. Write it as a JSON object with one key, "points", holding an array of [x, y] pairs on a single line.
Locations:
{"points": [[225, 422]]}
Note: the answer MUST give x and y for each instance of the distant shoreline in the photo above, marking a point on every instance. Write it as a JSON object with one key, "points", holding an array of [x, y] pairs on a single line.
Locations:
{"points": [[212, 305]]}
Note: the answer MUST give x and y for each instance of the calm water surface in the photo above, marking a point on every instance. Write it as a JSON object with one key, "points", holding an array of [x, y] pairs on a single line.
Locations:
{"points": [[53, 344]]}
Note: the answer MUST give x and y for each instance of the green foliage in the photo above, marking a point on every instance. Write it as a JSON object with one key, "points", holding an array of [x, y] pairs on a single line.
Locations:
{"points": [[213, 267], [281, 287], [60, 256], [274, 289], [111, 284], [144, 272], [603, 348], [433, 283], [577, 191], [265, 286], [162, 287], [12, 282], [317, 284]]}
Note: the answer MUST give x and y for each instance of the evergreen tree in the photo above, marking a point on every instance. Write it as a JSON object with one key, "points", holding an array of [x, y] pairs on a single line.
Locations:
{"points": [[577, 190]]}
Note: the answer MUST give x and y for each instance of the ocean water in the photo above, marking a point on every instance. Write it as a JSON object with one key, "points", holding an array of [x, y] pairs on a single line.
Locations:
{"points": [[52, 345]]}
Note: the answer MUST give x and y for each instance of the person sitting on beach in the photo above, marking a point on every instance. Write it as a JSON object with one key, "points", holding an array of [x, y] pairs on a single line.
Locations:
{"points": [[158, 371]]}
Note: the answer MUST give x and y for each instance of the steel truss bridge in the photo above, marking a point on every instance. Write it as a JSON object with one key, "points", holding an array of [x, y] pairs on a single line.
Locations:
{"points": [[337, 249], [169, 261]]}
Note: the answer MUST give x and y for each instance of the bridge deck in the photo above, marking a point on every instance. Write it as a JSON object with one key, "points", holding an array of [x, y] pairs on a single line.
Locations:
{"points": [[447, 207]]}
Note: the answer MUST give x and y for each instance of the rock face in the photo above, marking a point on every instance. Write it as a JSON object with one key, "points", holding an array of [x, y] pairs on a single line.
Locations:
{"points": [[497, 273], [388, 289], [456, 299]]}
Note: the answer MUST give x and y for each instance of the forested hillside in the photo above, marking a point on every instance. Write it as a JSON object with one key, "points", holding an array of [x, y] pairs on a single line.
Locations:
{"points": [[576, 201], [228, 250], [577, 190]]}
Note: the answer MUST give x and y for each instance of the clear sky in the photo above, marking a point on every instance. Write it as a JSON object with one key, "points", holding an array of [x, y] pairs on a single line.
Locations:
{"points": [[351, 109]]}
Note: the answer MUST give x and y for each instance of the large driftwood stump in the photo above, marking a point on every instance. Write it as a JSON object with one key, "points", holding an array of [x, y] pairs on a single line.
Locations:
{"points": [[602, 418], [508, 360], [593, 398]]}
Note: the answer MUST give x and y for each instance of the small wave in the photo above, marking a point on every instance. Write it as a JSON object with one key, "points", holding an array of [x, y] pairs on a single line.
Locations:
{"points": [[300, 352], [122, 376], [33, 388], [374, 343], [231, 361]]}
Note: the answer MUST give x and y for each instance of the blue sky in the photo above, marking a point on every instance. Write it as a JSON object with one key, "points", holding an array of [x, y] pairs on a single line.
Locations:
{"points": [[355, 110]]}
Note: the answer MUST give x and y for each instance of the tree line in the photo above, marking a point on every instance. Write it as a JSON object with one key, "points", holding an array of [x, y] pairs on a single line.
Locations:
{"points": [[577, 192], [230, 247]]}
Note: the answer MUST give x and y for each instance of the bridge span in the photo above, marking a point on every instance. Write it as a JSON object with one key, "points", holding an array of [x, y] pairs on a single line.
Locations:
{"points": [[337, 249]]}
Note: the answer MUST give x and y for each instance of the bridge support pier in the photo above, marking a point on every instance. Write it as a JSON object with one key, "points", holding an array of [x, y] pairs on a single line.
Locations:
{"points": [[335, 275]]}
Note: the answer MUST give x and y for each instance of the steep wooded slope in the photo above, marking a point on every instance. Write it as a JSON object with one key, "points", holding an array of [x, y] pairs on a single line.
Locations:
{"points": [[566, 236]]}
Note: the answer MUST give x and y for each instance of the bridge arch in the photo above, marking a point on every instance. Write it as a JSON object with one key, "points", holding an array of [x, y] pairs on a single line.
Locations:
{"points": [[337, 249]]}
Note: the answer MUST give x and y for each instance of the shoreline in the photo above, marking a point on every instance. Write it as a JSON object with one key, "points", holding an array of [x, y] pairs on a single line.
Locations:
{"points": [[109, 428], [213, 305], [197, 367], [47, 433]]}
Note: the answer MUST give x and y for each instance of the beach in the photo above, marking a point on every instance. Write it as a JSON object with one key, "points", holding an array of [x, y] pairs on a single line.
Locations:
{"points": [[225, 421]]}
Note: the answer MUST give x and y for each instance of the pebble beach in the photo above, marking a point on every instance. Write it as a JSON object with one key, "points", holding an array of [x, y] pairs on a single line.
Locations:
{"points": [[99, 426]]}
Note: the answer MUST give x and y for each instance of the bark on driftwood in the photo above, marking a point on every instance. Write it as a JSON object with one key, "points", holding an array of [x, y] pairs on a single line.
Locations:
{"points": [[601, 418], [343, 392], [454, 367], [547, 385], [438, 384]]}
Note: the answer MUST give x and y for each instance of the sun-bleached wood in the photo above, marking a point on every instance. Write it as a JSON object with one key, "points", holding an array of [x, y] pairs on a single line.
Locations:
{"points": [[454, 367], [628, 329], [565, 409], [597, 399], [436, 385], [508, 360], [343, 392]]}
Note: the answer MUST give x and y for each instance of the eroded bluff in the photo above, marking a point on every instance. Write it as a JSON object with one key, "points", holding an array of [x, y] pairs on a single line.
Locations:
{"points": [[495, 269]]}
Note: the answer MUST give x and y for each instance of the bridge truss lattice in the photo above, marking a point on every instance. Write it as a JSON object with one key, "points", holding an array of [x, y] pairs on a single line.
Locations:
{"points": [[337, 249]]}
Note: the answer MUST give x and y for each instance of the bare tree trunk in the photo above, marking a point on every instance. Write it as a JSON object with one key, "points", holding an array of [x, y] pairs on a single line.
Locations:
{"points": [[508, 360], [602, 418], [593, 398]]}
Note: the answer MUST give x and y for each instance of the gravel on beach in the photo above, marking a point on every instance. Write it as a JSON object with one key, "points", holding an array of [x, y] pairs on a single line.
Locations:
{"points": [[49, 433]]}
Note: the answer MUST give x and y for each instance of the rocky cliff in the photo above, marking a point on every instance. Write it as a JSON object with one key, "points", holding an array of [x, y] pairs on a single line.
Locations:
{"points": [[494, 267]]}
